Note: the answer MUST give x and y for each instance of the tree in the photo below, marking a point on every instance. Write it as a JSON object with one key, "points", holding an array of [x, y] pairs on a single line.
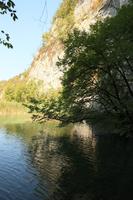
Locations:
{"points": [[98, 71], [98, 68], [7, 7], [22, 91]]}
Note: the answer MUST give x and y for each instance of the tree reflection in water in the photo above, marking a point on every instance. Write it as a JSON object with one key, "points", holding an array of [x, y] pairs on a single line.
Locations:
{"points": [[80, 167], [73, 164], [65, 161]]}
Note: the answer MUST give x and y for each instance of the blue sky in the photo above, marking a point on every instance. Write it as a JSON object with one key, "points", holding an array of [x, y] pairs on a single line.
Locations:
{"points": [[26, 34]]}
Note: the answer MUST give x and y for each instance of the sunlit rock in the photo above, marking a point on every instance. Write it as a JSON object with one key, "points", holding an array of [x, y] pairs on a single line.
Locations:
{"points": [[86, 13]]}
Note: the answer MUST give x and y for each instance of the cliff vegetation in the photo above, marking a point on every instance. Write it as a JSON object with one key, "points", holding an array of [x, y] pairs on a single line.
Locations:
{"points": [[64, 18], [97, 80]]}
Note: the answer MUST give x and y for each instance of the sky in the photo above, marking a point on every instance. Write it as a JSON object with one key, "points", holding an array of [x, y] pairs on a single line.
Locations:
{"points": [[26, 34]]}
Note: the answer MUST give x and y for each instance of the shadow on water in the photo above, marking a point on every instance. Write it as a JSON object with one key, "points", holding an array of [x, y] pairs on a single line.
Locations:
{"points": [[73, 164], [79, 166]]}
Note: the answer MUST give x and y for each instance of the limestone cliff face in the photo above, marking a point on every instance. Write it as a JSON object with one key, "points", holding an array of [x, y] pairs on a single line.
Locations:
{"points": [[44, 66], [86, 13]]}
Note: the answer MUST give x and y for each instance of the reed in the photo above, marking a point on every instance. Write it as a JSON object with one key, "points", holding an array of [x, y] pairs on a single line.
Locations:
{"points": [[12, 109]]}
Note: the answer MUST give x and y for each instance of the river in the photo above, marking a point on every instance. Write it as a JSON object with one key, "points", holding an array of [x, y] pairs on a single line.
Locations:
{"points": [[48, 162]]}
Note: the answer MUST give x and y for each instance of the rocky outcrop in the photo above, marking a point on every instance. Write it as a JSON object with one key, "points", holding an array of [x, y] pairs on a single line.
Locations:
{"points": [[44, 66], [86, 13]]}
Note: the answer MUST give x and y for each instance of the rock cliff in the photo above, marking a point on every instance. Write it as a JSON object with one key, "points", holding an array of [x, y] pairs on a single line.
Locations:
{"points": [[84, 14]]}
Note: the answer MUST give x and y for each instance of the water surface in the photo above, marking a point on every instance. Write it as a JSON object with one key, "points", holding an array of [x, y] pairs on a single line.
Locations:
{"points": [[47, 162]]}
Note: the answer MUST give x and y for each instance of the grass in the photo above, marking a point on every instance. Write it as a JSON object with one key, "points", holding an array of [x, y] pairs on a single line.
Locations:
{"points": [[13, 109]]}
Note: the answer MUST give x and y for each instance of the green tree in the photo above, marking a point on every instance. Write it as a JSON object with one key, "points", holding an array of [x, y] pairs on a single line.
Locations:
{"points": [[65, 18], [21, 91], [47, 106], [7, 7], [98, 68], [98, 71]]}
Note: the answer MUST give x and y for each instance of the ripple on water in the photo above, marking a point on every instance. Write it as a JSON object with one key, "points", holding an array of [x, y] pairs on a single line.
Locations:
{"points": [[63, 166]]}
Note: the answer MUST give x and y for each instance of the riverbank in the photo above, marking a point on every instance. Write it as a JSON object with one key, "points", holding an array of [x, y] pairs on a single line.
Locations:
{"points": [[13, 112], [101, 123], [115, 124]]}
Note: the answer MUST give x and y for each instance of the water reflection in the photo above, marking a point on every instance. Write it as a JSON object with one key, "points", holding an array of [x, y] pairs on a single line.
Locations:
{"points": [[81, 166], [67, 163]]}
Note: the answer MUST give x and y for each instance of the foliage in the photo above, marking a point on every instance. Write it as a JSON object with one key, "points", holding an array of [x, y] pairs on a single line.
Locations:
{"points": [[7, 7], [20, 91], [47, 106], [12, 109], [46, 37], [98, 71], [65, 18], [66, 8], [98, 68]]}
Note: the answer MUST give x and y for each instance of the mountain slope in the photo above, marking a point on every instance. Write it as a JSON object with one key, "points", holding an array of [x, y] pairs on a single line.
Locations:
{"points": [[71, 14]]}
